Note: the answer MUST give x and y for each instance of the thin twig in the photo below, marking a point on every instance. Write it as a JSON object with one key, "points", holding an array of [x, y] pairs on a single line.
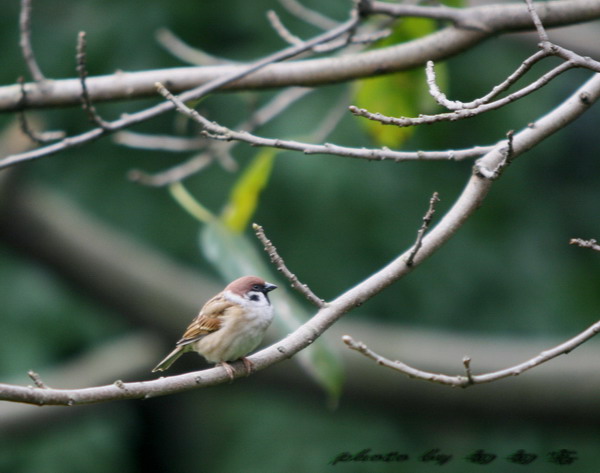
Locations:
{"points": [[441, 98], [330, 46], [37, 137], [219, 132], [469, 379], [184, 52], [25, 42], [333, 117], [462, 110], [220, 150], [175, 174], [592, 244], [552, 49], [356, 39], [537, 22], [280, 28], [274, 107], [467, 364], [174, 144], [421, 232], [437, 12], [37, 379], [307, 15], [282, 268], [86, 103], [509, 154], [345, 28], [465, 112]]}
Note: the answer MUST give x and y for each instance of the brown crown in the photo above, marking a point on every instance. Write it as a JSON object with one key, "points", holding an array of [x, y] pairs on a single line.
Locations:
{"points": [[246, 283]]}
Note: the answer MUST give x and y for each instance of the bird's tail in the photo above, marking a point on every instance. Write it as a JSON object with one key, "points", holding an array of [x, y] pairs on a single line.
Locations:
{"points": [[169, 359]]}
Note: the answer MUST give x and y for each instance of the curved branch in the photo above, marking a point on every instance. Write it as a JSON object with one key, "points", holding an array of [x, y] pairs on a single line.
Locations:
{"points": [[490, 20], [25, 42], [470, 199]]}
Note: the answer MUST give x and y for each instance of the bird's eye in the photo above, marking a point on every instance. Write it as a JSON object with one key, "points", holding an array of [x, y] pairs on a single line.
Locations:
{"points": [[256, 287]]}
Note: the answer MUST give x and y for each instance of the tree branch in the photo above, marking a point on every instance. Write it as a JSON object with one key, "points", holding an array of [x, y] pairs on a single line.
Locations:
{"points": [[213, 149], [346, 28], [86, 102], [469, 379], [481, 105], [283, 269], [74, 241], [441, 98], [182, 51], [421, 233], [25, 42], [307, 15], [34, 136], [219, 132], [493, 20], [593, 244], [470, 199]]}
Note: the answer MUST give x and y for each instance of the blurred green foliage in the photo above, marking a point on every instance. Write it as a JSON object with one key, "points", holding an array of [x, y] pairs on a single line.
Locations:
{"points": [[335, 220], [402, 94]]}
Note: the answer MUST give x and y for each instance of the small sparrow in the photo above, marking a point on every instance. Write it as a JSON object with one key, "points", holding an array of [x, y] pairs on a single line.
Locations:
{"points": [[229, 326]]}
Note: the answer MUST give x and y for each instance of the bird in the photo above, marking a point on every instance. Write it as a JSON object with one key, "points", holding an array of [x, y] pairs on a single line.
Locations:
{"points": [[229, 326]]}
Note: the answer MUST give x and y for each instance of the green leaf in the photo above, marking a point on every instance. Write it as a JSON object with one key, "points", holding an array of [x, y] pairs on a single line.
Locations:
{"points": [[245, 194], [189, 204], [402, 94]]}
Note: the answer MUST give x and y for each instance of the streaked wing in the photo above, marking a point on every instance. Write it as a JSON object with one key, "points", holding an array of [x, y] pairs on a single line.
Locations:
{"points": [[207, 321]]}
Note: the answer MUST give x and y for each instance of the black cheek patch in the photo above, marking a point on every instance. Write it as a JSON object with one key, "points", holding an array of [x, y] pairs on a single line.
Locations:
{"points": [[254, 297]]}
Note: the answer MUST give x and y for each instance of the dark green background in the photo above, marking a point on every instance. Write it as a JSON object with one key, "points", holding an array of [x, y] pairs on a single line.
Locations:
{"points": [[509, 271]]}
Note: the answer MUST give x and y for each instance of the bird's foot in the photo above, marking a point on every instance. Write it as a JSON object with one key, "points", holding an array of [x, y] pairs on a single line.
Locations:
{"points": [[229, 369], [248, 365]]}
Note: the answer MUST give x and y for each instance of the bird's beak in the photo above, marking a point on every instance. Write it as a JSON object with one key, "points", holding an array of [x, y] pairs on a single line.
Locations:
{"points": [[269, 287]]}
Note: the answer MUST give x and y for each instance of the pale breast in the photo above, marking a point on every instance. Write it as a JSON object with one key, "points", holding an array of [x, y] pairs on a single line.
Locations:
{"points": [[237, 336]]}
